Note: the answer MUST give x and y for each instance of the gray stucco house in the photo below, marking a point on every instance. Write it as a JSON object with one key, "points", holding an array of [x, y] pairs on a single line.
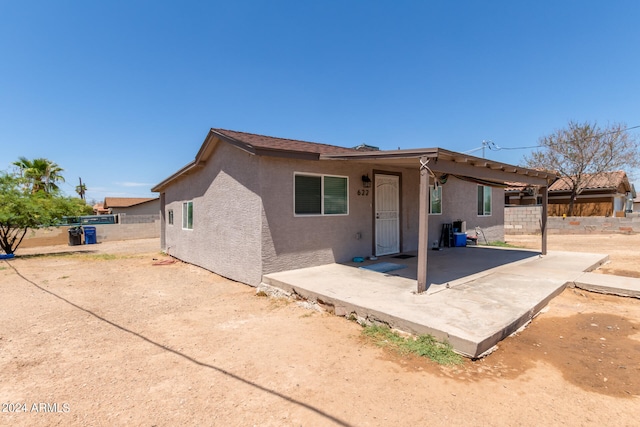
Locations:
{"points": [[250, 205]]}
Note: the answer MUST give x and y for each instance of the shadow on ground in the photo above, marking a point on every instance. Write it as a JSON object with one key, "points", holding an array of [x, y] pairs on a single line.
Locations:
{"points": [[450, 264]]}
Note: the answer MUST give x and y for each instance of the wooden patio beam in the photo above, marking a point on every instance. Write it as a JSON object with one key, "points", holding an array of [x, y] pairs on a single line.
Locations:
{"points": [[502, 174], [423, 225]]}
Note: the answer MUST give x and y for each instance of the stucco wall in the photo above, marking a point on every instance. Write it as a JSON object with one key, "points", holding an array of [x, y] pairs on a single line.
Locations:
{"points": [[460, 202], [296, 242], [244, 222], [226, 216], [163, 222]]}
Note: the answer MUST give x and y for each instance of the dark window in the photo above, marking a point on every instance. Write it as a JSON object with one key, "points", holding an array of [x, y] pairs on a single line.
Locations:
{"points": [[484, 200], [320, 195]]}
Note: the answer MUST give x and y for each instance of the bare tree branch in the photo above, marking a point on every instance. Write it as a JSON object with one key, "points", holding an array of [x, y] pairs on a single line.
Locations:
{"points": [[581, 151]]}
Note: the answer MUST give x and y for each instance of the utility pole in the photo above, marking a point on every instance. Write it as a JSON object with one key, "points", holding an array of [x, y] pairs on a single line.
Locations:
{"points": [[81, 189]]}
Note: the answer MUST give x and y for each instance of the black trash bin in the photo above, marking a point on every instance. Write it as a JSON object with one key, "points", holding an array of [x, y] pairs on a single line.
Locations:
{"points": [[75, 236]]}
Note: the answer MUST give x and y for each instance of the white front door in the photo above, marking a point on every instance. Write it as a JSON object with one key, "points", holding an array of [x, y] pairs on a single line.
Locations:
{"points": [[387, 214]]}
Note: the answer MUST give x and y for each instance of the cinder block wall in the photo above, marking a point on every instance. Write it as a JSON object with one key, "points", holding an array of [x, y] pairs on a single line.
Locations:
{"points": [[526, 220], [147, 230], [522, 219], [104, 232], [139, 219], [491, 234]]}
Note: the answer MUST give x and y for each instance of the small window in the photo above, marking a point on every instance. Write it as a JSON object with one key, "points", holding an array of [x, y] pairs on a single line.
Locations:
{"points": [[435, 200], [321, 195], [484, 200], [187, 215], [170, 216]]}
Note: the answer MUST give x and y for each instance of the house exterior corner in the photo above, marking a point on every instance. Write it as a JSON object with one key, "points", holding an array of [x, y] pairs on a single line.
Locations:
{"points": [[223, 232]]}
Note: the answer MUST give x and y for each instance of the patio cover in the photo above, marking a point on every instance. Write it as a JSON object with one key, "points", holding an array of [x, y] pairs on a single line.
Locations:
{"points": [[437, 160]]}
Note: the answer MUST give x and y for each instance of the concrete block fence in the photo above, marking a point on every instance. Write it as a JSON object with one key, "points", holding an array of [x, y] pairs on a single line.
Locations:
{"points": [[522, 220], [144, 229], [526, 220]]}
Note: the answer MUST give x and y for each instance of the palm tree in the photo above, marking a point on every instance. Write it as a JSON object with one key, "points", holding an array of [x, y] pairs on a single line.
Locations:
{"points": [[41, 174]]}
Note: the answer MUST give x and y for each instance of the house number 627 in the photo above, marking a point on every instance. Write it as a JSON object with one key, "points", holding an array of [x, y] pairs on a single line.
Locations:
{"points": [[363, 192]]}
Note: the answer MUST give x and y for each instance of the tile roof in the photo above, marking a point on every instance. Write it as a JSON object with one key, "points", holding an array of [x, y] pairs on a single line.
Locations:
{"points": [[283, 144], [125, 202], [516, 186], [99, 208], [604, 180]]}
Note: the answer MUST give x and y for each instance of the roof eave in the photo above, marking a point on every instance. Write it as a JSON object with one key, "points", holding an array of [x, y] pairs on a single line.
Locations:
{"points": [[207, 148], [184, 171], [289, 154], [528, 176], [382, 154]]}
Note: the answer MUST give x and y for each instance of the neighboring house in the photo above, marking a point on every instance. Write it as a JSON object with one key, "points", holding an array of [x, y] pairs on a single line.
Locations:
{"points": [[250, 205], [521, 194], [132, 205], [604, 194], [98, 209]]}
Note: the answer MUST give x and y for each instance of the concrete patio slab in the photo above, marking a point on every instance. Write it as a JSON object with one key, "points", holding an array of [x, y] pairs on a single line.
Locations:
{"points": [[607, 284], [472, 312]]}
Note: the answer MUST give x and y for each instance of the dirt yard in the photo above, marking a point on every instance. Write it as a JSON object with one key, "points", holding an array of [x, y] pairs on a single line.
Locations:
{"points": [[623, 249], [108, 334]]}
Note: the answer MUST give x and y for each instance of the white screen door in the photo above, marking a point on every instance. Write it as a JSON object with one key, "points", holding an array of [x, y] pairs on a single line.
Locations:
{"points": [[387, 214]]}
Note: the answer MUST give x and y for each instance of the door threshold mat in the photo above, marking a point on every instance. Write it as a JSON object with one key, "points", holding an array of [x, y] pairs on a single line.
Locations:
{"points": [[383, 267], [404, 256]]}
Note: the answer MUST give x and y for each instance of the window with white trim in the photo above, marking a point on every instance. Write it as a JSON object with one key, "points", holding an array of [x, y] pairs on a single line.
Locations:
{"points": [[484, 200], [320, 194], [187, 216], [170, 217], [435, 200]]}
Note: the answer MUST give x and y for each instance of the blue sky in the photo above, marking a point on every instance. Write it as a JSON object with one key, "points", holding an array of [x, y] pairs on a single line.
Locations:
{"points": [[122, 93]]}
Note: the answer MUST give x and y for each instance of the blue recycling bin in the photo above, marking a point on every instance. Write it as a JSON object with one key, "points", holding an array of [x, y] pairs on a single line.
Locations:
{"points": [[460, 239], [90, 236]]}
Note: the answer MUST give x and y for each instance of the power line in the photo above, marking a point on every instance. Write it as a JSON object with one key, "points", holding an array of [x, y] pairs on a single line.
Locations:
{"points": [[498, 148], [493, 147]]}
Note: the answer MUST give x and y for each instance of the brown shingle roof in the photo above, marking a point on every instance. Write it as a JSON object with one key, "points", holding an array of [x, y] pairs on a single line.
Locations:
{"points": [[283, 144], [604, 180], [125, 202], [262, 145]]}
